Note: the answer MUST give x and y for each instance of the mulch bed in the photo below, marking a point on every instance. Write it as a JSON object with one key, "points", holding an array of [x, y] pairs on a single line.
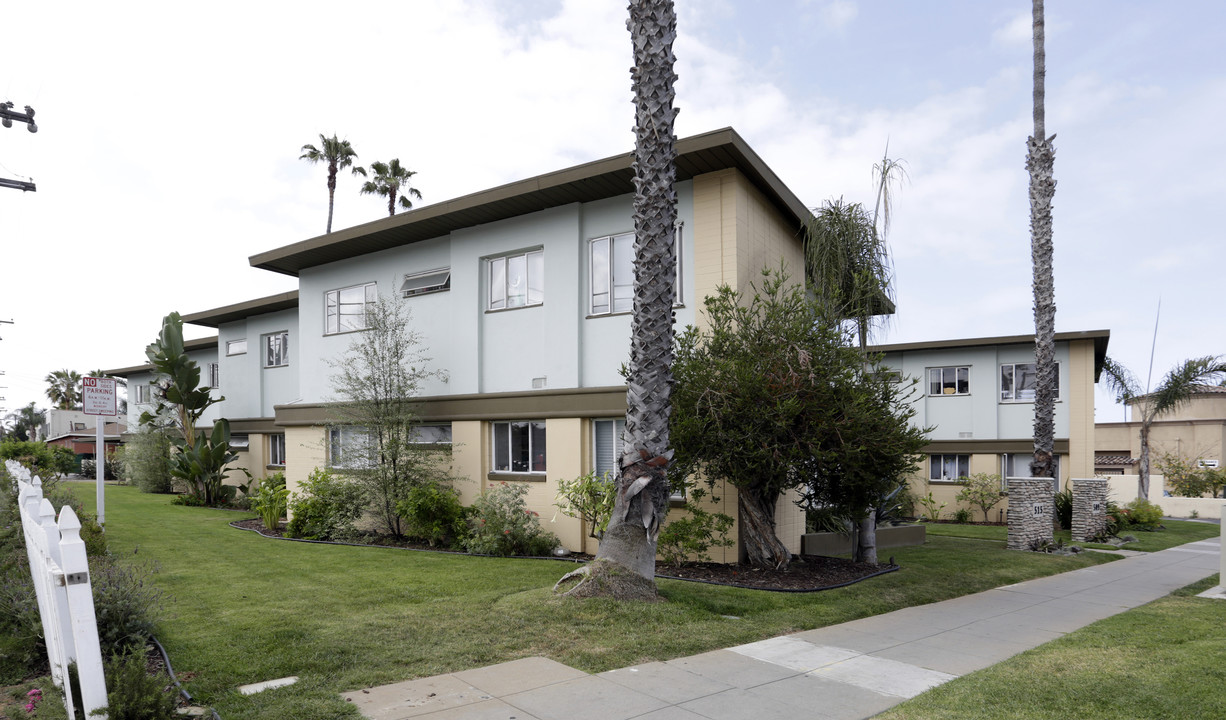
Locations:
{"points": [[806, 573]]}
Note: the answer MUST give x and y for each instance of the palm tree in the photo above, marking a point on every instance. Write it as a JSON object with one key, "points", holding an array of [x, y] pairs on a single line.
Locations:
{"points": [[1040, 159], [1176, 388], [847, 264], [64, 389], [23, 424], [389, 179], [338, 154], [625, 563]]}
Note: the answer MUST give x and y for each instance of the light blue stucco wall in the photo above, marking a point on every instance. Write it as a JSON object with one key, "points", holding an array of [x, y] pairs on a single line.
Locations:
{"points": [[251, 390], [981, 413], [201, 358], [485, 351]]}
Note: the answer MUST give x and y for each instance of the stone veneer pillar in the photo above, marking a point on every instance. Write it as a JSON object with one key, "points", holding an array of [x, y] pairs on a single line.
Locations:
{"points": [[1030, 513], [1089, 509]]}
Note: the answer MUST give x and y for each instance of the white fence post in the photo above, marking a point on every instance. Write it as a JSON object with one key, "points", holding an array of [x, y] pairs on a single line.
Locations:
{"points": [[60, 572], [84, 623]]}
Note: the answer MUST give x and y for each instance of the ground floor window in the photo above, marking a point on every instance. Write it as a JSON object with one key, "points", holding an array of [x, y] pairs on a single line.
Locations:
{"points": [[607, 446], [348, 446], [948, 468], [431, 435], [1016, 466], [276, 449], [519, 446]]}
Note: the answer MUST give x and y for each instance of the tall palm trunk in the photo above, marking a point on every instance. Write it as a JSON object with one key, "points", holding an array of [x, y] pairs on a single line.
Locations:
{"points": [[1040, 159], [332, 169], [642, 488]]}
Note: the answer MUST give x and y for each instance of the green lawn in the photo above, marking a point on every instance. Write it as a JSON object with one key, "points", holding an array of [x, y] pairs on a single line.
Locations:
{"points": [[1166, 659], [1177, 532], [247, 608]]}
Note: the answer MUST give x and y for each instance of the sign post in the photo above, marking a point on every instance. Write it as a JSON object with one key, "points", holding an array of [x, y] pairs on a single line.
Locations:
{"points": [[98, 398]]}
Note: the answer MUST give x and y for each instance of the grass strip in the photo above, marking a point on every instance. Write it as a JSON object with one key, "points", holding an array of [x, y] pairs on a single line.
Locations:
{"points": [[1161, 660]]}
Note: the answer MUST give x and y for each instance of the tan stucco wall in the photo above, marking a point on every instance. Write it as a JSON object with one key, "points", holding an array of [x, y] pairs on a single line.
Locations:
{"points": [[306, 448], [1187, 439], [1080, 461]]}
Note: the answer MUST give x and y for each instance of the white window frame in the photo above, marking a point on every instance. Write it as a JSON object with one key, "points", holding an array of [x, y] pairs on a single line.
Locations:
{"points": [[348, 446], [143, 394], [424, 283], [276, 349], [1025, 459], [498, 275], [504, 429], [336, 320], [236, 347], [1011, 395], [240, 442], [618, 428], [949, 380], [214, 375], [937, 460], [276, 449], [605, 246]]}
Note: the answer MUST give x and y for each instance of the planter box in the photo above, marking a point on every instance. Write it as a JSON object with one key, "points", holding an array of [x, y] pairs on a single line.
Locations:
{"points": [[829, 543]]}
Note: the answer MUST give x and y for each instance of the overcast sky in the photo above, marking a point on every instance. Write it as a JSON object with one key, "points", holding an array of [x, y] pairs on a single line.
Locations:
{"points": [[169, 136]]}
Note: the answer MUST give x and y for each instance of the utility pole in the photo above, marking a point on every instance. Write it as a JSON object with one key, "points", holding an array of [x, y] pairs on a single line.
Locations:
{"points": [[7, 116]]}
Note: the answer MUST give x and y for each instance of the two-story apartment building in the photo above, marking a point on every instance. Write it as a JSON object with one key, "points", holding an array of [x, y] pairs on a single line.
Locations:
{"points": [[977, 396], [521, 293]]}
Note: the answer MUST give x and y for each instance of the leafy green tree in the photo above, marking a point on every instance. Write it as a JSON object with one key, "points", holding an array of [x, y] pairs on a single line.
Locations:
{"points": [[626, 560], [981, 490], [376, 382], [24, 423], [64, 389], [201, 458], [772, 397], [1175, 389], [391, 181], [338, 155], [1040, 159]]}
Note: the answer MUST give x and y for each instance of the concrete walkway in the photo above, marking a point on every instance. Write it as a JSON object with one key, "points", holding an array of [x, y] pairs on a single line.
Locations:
{"points": [[853, 670]]}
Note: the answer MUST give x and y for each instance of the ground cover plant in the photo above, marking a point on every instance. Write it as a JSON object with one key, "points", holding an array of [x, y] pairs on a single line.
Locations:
{"points": [[1157, 661], [247, 608]]}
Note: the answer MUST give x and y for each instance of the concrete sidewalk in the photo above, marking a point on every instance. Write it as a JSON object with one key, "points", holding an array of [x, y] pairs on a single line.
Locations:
{"points": [[853, 670]]}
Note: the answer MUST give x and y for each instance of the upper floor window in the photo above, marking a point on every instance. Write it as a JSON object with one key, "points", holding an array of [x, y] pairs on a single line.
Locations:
{"points": [[1017, 382], [236, 347], [519, 447], [142, 394], [612, 272], [517, 280], [426, 282], [214, 375], [948, 468], [345, 309], [276, 349], [949, 381]]}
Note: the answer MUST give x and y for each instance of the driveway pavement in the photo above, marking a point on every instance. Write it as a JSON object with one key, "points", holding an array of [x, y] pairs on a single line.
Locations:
{"points": [[853, 670]]}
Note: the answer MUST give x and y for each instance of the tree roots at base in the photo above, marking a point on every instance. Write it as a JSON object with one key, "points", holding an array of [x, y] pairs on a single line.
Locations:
{"points": [[607, 579]]}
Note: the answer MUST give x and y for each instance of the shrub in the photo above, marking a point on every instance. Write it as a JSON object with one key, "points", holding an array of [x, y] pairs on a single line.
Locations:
{"points": [[963, 516], [932, 509], [271, 500], [1143, 515], [1064, 508], [133, 693], [35, 456], [110, 471], [146, 461], [695, 534], [432, 512], [328, 509], [589, 498], [126, 604], [981, 490], [501, 525], [64, 460]]}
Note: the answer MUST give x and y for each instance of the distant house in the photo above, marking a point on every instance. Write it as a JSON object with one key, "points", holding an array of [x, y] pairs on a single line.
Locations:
{"points": [[141, 378], [1194, 432], [77, 431], [977, 395]]}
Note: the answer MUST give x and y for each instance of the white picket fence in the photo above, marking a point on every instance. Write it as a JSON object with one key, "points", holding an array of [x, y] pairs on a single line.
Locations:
{"points": [[65, 594]]}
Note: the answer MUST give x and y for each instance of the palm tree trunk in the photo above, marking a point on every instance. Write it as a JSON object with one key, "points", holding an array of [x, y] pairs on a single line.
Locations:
{"points": [[1040, 160], [331, 192], [866, 546], [642, 488], [1143, 464]]}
